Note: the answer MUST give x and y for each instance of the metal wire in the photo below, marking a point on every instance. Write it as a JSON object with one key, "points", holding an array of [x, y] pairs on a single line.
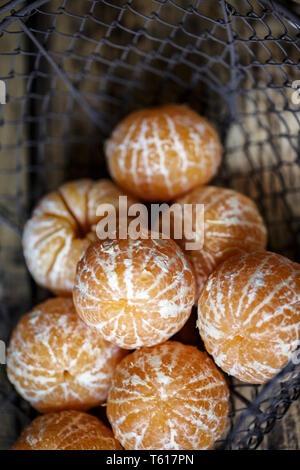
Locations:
{"points": [[73, 69]]}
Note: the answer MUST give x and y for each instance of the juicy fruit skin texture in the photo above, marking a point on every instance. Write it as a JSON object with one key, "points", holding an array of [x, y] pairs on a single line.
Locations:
{"points": [[134, 292], [67, 430], [232, 225], [161, 153], [61, 228], [249, 315], [56, 362], [169, 397]]}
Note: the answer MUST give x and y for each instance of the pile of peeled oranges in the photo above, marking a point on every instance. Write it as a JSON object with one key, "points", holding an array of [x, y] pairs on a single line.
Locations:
{"points": [[107, 338]]}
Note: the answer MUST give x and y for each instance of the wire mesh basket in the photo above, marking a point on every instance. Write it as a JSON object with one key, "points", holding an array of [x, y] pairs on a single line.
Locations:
{"points": [[72, 70]]}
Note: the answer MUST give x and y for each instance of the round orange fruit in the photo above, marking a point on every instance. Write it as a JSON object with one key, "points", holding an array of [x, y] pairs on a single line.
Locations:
{"points": [[160, 153], [249, 314], [231, 225], [56, 362], [134, 292], [61, 228], [169, 397], [67, 430]]}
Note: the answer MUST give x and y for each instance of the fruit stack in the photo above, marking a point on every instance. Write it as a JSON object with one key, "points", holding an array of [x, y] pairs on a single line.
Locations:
{"points": [[107, 337]]}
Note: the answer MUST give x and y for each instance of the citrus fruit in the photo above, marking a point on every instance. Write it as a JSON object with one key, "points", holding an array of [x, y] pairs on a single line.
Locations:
{"points": [[61, 228], [160, 153], [170, 397], [134, 292], [56, 362], [249, 314], [231, 224], [67, 430]]}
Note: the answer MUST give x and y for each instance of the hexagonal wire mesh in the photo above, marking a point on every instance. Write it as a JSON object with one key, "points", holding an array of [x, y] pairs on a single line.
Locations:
{"points": [[73, 69]]}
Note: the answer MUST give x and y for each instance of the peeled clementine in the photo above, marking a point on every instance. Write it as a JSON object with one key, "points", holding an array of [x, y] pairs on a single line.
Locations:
{"points": [[232, 224], [161, 153], [61, 228], [170, 397], [56, 362], [134, 292], [67, 430], [249, 314]]}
